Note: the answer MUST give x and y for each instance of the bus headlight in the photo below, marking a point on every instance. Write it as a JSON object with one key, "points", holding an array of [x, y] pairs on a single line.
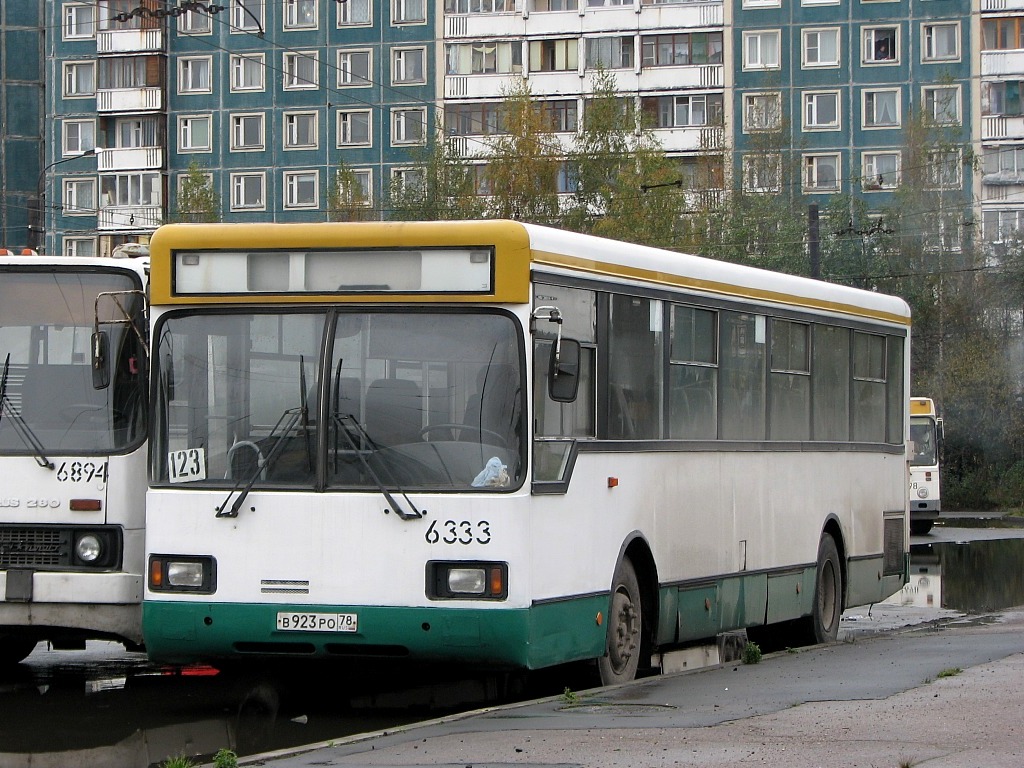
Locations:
{"points": [[467, 580], [182, 573], [88, 548], [922, 493]]}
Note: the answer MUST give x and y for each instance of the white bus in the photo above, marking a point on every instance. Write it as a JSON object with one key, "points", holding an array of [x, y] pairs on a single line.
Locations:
{"points": [[925, 450], [73, 410], [511, 446]]}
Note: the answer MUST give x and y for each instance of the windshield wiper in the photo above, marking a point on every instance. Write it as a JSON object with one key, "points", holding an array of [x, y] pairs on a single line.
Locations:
{"points": [[289, 418], [339, 420], [21, 427]]}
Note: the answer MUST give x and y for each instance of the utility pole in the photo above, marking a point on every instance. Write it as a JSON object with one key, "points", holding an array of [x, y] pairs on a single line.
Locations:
{"points": [[813, 240]]}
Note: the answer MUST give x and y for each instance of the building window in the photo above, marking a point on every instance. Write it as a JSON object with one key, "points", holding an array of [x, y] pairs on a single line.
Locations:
{"points": [[881, 109], [138, 132], [407, 65], [300, 70], [408, 180], [194, 23], [80, 197], [761, 49], [247, 132], [301, 189], [942, 104], [408, 126], [131, 189], [1003, 98], [78, 136], [477, 119], [1002, 34], [300, 14], [247, 16], [881, 171], [683, 111], [682, 49], [484, 58], [821, 47], [941, 41], [554, 55], [353, 12], [821, 111], [194, 133], [762, 111], [79, 79], [80, 247], [881, 45], [944, 169], [300, 130], [354, 188], [554, 5], [194, 74], [821, 173], [247, 191], [247, 72], [1001, 225], [561, 116], [406, 11], [609, 52], [353, 68], [761, 3], [762, 172], [1004, 165], [79, 21], [354, 128]]}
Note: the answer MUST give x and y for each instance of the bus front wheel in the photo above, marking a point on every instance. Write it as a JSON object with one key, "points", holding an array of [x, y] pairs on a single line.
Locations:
{"points": [[625, 619], [822, 626]]}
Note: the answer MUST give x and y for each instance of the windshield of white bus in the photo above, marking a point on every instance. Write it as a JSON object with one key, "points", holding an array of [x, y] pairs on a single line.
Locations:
{"points": [[922, 438], [46, 325], [415, 400]]}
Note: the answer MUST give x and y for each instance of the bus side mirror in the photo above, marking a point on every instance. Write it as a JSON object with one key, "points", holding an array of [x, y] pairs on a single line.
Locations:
{"points": [[564, 376], [100, 360]]}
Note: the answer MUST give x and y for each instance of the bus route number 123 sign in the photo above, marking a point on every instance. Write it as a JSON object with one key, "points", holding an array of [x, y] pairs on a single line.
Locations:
{"points": [[187, 465]]}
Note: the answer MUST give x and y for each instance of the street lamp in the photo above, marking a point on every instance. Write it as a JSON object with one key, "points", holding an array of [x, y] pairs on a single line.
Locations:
{"points": [[37, 211]]}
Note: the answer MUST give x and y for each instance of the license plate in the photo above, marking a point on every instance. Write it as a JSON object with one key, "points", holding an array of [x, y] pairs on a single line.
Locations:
{"points": [[318, 622]]}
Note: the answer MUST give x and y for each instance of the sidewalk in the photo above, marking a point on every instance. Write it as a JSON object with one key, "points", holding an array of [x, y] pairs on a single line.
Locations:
{"points": [[874, 700]]}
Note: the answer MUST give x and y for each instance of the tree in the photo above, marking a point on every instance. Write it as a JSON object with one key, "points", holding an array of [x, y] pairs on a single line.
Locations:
{"points": [[441, 187], [525, 161], [197, 200], [348, 199]]}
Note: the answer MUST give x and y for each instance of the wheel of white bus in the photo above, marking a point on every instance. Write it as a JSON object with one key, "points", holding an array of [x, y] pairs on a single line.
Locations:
{"points": [[920, 527], [625, 619], [14, 649], [822, 626]]}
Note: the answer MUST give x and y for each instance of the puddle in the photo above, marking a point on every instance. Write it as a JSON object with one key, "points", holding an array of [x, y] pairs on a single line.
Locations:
{"points": [[972, 577]]}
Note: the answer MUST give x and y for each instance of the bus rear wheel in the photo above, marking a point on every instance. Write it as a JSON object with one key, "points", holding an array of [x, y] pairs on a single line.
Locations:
{"points": [[14, 649], [625, 619]]}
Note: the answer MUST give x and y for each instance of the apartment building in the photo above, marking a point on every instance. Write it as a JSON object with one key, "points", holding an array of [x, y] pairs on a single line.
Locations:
{"points": [[825, 91], [21, 119]]}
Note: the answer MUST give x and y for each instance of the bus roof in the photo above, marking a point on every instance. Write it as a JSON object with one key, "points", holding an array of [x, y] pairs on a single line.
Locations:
{"points": [[518, 247], [922, 406]]}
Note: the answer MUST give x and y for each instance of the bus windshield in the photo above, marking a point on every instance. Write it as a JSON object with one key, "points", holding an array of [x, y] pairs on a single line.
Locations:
{"points": [[922, 435], [349, 400], [46, 325]]}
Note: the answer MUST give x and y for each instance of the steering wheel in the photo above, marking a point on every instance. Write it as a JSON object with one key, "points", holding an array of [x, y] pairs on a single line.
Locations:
{"points": [[465, 428], [261, 462]]}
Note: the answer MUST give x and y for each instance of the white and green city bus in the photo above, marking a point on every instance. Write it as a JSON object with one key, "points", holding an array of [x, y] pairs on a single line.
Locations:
{"points": [[73, 409], [925, 450], [506, 445]]}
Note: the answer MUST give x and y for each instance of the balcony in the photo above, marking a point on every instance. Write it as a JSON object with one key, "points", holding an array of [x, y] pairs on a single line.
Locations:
{"points": [[130, 218], [129, 100], [1001, 5], [130, 159], [996, 63], [129, 41]]}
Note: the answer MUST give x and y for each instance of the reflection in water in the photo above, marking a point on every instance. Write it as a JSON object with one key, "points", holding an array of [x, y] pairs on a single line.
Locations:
{"points": [[972, 577], [138, 715]]}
